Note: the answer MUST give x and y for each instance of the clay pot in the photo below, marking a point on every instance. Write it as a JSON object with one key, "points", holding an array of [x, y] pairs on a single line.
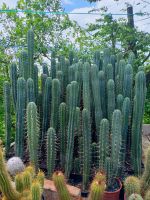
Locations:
{"points": [[113, 195]]}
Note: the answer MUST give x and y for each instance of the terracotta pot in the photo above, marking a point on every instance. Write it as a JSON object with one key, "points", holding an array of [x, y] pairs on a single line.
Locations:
{"points": [[113, 195]]}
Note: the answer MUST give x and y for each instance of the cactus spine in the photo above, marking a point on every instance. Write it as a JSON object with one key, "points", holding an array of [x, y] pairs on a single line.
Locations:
{"points": [[86, 148], [7, 107], [73, 99], [33, 132], [36, 191], [132, 185], [19, 183], [13, 80], [60, 185], [51, 150], [20, 121], [103, 143], [138, 111], [62, 133], [30, 42]]}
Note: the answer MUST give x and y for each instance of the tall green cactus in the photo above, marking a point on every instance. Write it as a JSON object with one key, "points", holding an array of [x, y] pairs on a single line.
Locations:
{"points": [[71, 56], [46, 107], [62, 133], [109, 73], [128, 81], [30, 43], [30, 91], [106, 58], [98, 60], [51, 151], [7, 107], [24, 65], [55, 104], [116, 141], [36, 83], [71, 126], [102, 88], [96, 96], [13, 81], [86, 148], [119, 101], [138, 111], [20, 117], [103, 143], [110, 98], [33, 132], [53, 68], [126, 112], [86, 87]]}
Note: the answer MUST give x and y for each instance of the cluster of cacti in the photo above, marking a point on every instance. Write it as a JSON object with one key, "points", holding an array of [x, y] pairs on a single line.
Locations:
{"points": [[80, 111], [27, 185], [135, 186]]}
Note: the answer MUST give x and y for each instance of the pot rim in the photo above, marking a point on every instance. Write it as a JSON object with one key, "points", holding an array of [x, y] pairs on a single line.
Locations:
{"points": [[116, 191]]}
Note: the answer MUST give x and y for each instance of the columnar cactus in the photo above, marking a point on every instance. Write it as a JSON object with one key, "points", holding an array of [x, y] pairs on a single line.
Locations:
{"points": [[103, 143], [45, 69], [20, 117], [33, 132], [53, 68], [36, 191], [132, 185], [30, 43], [13, 81], [51, 150], [7, 107], [110, 99], [138, 111], [116, 141], [119, 101], [63, 132], [109, 73], [128, 81], [46, 107], [59, 181], [36, 84], [30, 91], [121, 70], [55, 104], [25, 71], [19, 183], [71, 126], [96, 97], [86, 148], [98, 60]]}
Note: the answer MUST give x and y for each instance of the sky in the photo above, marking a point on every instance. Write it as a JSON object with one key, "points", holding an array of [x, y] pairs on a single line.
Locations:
{"points": [[80, 6]]}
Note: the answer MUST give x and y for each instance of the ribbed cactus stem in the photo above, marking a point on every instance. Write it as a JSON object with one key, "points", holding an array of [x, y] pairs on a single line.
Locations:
{"points": [[33, 132], [132, 185], [46, 107], [60, 184], [138, 111], [98, 60], [36, 83], [103, 143], [13, 81], [53, 68], [71, 126], [7, 108], [109, 74], [5, 181], [122, 65], [51, 151], [40, 177], [24, 65], [27, 180], [86, 148], [19, 183], [116, 141], [20, 117], [55, 103], [96, 97], [71, 56], [63, 132], [119, 101], [36, 191], [128, 81], [30, 43], [86, 87], [30, 91], [110, 99]]}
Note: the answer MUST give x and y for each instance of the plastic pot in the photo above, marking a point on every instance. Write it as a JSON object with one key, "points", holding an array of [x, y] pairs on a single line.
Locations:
{"points": [[113, 195]]}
